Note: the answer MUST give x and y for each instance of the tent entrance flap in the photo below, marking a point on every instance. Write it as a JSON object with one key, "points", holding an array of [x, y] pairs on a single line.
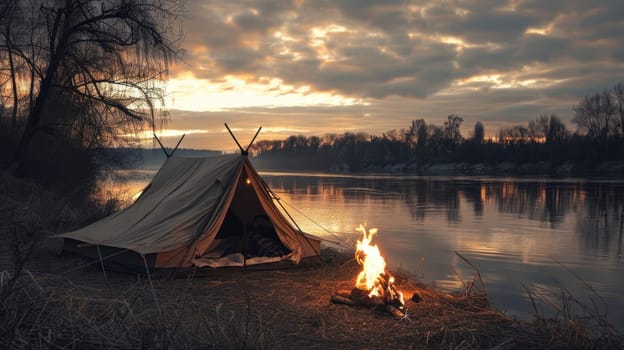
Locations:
{"points": [[247, 234]]}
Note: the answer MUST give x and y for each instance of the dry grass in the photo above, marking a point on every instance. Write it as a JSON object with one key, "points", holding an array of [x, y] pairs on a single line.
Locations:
{"points": [[269, 309], [45, 311]]}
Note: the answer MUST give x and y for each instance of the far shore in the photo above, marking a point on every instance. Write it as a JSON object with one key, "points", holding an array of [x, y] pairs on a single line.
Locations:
{"points": [[611, 169]]}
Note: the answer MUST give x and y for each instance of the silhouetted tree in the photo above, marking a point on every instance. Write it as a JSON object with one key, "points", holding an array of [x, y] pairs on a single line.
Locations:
{"points": [[410, 135], [478, 134], [538, 129], [513, 135], [435, 139], [101, 58], [451, 131], [618, 96], [595, 116], [556, 132], [421, 131], [314, 143]]}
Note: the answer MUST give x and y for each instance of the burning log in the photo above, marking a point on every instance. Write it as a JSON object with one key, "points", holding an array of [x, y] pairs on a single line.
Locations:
{"points": [[339, 299], [396, 313], [359, 297]]}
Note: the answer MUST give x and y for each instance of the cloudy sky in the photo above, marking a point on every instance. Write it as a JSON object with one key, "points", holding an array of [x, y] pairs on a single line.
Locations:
{"points": [[317, 67]]}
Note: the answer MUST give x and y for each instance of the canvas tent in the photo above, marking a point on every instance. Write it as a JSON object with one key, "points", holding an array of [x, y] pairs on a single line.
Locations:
{"points": [[197, 212]]}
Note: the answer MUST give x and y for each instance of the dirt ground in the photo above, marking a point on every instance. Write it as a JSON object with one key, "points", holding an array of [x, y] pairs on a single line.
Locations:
{"points": [[245, 309]]}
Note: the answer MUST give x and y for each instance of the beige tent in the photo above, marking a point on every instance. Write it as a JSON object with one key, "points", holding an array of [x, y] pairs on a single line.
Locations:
{"points": [[197, 212]]}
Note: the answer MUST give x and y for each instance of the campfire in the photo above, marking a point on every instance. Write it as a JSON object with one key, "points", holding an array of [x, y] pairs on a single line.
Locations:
{"points": [[373, 285]]}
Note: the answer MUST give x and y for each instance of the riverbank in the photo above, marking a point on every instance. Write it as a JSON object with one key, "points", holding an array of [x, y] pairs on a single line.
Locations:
{"points": [[554, 169], [65, 301]]}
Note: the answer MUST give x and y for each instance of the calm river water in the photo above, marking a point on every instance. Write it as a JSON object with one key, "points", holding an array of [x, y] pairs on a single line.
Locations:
{"points": [[545, 235]]}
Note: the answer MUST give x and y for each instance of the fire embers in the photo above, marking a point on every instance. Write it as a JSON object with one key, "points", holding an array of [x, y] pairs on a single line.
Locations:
{"points": [[361, 297], [373, 286], [389, 294]]}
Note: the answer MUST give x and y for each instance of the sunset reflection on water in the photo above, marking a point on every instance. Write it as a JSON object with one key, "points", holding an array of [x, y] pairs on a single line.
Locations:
{"points": [[563, 234]]}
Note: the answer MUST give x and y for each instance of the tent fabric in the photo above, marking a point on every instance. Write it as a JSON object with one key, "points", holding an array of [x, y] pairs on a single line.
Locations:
{"points": [[164, 217], [179, 215]]}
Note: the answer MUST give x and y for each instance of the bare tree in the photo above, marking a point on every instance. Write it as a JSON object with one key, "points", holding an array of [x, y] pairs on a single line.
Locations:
{"points": [[513, 135], [93, 66], [556, 131], [435, 139], [421, 132], [451, 130], [538, 129], [595, 115], [478, 134], [618, 96], [410, 136]]}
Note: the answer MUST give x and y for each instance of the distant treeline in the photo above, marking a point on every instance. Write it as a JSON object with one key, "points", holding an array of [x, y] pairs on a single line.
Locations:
{"points": [[599, 137]]}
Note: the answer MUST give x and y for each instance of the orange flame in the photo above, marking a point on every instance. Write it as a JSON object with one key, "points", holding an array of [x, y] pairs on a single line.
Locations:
{"points": [[373, 272], [373, 264]]}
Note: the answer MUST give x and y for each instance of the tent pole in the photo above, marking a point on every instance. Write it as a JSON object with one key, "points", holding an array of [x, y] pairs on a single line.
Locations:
{"points": [[234, 137], [253, 139], [161, 146], [174, 149], [177, 145]]}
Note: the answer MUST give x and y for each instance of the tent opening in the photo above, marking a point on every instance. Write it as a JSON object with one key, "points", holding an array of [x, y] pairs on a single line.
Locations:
{"points": [[247, 235]]}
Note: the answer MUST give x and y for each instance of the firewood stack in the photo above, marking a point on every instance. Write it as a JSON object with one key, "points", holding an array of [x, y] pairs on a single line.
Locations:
{"points": [[386, 297]]}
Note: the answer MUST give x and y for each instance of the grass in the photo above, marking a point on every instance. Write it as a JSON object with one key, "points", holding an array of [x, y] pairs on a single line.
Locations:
{"points": [[44, 312], [257, 310]]}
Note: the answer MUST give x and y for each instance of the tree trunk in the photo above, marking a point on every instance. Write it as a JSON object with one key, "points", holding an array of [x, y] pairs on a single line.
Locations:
{"points": [[34, 115], [13, 85]]}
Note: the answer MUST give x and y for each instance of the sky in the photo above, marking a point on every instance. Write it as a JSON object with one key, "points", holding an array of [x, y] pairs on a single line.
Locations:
{"points": [[318, 67]]}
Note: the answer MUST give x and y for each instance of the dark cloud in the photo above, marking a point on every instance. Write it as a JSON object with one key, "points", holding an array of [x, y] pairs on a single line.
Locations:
{"points": [[489, 26]]}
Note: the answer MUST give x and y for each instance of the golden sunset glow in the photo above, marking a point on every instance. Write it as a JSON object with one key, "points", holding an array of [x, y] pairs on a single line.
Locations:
{"points": [[149, 134], [193, 94]]}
